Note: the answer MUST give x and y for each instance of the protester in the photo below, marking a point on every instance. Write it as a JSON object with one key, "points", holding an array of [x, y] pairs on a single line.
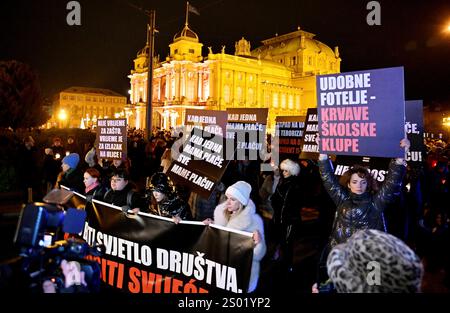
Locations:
{"points": [[93, 185], [122, 193], [168, 204], [27, 169], [372, 261], [359, 204], [287, 203], [239, 212], [71, 176]]}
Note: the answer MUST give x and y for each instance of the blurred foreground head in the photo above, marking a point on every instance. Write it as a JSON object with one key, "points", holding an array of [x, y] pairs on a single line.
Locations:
{"points": [[374, 261]]}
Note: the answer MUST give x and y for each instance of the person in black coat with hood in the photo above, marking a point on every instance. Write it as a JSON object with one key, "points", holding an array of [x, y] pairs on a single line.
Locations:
{"points": [[167, 203], [287, 202]]}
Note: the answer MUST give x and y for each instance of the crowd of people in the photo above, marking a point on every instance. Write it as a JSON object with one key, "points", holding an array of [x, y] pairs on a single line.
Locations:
{"points": [[269, 204]]}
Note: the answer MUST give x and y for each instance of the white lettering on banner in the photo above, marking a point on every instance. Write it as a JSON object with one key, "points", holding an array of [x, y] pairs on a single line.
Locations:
{"points": [[350, 81], [312, 128], [411, 128], [360, 82], [201, 181], [118, 247], [180, 171], [116, 123], [201, 119], [379, 175], [194, 265], [310, 148], [291, 133]]}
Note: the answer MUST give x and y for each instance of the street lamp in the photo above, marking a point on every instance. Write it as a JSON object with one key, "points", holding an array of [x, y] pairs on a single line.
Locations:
{"points": [[62, 116]]}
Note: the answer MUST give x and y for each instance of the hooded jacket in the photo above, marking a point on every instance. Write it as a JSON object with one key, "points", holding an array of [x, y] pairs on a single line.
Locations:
{"points": [[174, 207], [365, 211], [246, 220]]}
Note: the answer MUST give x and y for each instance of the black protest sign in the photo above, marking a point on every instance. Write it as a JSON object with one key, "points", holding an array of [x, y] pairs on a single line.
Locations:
{"points": [[378, 167], [246, 130], [289, 132], [309, 147], [414, 131], [214, 122], [201, 164], [151, 254], [111, 140]]}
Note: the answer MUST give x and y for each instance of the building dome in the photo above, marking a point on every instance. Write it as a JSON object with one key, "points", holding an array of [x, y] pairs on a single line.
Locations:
{"points": [[291, 43], [187, 34]]}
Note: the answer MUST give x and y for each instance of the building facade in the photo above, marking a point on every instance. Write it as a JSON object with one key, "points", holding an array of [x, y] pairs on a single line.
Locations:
{"points": [[80, 107], [279, 75]]}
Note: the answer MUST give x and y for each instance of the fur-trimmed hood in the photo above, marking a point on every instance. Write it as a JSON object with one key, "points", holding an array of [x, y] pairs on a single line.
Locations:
{"points": [[242, 221]]}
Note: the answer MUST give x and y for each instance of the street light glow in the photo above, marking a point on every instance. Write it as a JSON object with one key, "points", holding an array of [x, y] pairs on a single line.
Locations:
{"points": [[62, 115]]}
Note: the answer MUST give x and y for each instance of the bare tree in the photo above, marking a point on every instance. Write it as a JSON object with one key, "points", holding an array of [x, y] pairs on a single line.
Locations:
{"points": [[21, 103]]}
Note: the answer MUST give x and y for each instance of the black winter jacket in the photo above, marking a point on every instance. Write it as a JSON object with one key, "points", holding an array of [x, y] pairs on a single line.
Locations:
{"points": [[287, 201], [173, 207], [119, 198], [365, 211]]}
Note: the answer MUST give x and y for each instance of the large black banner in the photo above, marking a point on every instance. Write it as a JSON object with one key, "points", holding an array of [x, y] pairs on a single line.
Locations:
{"points": [[151, 254]]}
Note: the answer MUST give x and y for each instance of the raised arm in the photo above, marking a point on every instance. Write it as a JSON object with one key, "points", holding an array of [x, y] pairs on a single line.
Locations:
{"points": [[392, 185], [334, 189]]}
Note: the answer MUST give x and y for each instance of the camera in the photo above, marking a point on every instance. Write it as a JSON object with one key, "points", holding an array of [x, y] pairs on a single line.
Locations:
{"points": [[50, 263]]}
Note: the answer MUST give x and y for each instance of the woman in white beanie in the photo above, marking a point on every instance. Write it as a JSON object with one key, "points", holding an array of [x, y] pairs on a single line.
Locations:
{"points": [[239, 212]]}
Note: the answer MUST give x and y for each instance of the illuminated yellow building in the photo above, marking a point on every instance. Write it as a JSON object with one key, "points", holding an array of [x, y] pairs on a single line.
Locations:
{"points": [[80, 107], [279, 75]]}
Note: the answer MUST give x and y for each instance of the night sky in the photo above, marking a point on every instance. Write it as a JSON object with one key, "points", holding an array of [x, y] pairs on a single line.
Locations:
{"points": [[100, 52]]}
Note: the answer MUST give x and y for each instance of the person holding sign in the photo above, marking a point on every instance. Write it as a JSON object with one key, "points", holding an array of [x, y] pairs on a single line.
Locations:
{"points": [[168, 204], [239, 212], [359, 204]]}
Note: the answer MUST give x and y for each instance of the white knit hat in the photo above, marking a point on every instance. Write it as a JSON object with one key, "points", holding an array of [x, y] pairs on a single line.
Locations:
{"points": [[240, 191]]}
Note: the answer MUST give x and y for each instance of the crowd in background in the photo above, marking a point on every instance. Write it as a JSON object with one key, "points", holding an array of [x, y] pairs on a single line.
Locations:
{"points": [[419, 217]]}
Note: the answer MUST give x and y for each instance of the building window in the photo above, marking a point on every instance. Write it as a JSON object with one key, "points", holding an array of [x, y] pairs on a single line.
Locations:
{"points": [[266, 99], [176, 51], [239, 95], [283, 101], [309, 60], [275, 100], [250, 96], [226, 93], [250, 78], [191, 51], [294, 60], [291, 102]]}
